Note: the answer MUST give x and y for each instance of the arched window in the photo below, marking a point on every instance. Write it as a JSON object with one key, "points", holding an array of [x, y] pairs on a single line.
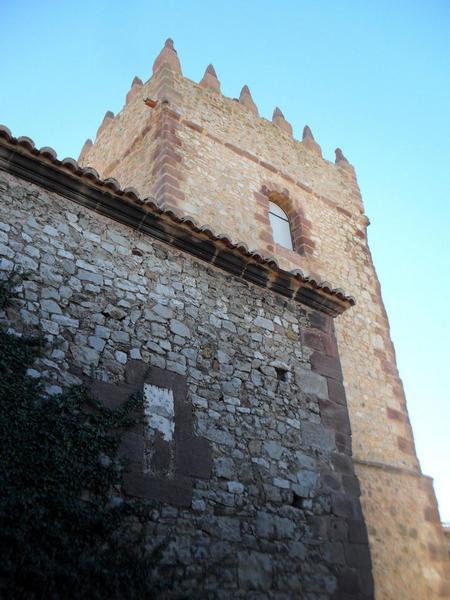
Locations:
{"points": [[281, 228]]}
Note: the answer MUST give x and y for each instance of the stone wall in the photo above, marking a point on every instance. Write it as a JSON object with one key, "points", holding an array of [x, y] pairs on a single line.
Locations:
{"points": [[246, 445], [218, 161]]}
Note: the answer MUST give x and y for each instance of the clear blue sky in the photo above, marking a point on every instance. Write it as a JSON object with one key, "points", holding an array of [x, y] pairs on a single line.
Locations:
{"points": [[371, 77]]}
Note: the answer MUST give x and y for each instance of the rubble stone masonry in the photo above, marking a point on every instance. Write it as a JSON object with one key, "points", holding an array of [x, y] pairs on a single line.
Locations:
{"points": [[215, 159], [246, 442]]}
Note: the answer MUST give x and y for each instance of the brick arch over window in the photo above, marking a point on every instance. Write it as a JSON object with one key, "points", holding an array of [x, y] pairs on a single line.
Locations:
{"points": [[300, 225]]}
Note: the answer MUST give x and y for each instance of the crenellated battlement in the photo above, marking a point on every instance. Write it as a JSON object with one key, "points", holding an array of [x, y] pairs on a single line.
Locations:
{"points": [[168, 60]]}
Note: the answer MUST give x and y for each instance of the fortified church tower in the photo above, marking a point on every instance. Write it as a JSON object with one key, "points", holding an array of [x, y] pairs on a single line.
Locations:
{"points": [[215, 159], [199, 254]]}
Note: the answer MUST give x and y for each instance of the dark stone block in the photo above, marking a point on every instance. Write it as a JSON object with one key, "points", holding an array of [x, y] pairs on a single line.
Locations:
{"points": [[136, 484], [346, 506], [132, 447], [357, 555], [331, 481], [329, 366], [183, 417], [111, 395], [336, 391], [135, 372], [396, 415], [348, 581], [161, 455], [337, 529], [334, 416], [342, 463], [328, 528], [177, 492], [331, 345], [323, 342], [366, 581], [320, 321], [406, 445], [255, 571], [351, 485], [169, 380], [317, 436], [344, 443], [313, 339], [339, 595], [334, 553], [319, 526], [193, 456]]}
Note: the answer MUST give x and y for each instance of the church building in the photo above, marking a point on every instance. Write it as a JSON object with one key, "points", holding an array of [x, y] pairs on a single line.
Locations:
{"points": [[201, 255]]}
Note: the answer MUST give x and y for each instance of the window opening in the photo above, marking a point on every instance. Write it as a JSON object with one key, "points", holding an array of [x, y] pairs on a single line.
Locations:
{"points": [[281, 228]]}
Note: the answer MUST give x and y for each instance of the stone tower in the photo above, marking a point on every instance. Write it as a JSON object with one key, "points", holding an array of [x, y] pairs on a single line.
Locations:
{"points": [[213, 158]]}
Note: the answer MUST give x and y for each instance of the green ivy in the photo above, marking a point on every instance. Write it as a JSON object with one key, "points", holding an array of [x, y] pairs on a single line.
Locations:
{"points": [[66, 531], [9, 288]]}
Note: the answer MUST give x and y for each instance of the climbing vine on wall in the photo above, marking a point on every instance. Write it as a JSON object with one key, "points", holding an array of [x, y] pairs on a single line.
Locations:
{"points": [[66, 531]]}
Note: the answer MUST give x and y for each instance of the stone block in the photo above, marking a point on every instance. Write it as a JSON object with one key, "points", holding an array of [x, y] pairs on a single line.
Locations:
{"points": [[343, 443], [357, 531], [161, 456], [274, 449], [311, 383], [351, 485], [316, 436], [193, 456], [264, 323], [346, 506], [255, 571], [331, 481], [273, 527], [357, 555], [121, 357], [335, 416], [179, 328], [313, 339], [224, 467], [342, 463], [306, 483], [176, 492], [132, 447], [222, 527], [328, 366], [348, 582], [336, 391], [110, 395], [235, 487], [51, 307], [320, 321], [90, 277], [334, 553]]}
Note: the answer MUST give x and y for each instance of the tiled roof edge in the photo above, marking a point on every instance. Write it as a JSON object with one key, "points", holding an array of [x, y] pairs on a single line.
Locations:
{"points": [[20, 157]]}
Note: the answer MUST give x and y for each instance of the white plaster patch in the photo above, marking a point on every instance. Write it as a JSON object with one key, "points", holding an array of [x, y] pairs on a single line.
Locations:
{"points": [[159, 409]]}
